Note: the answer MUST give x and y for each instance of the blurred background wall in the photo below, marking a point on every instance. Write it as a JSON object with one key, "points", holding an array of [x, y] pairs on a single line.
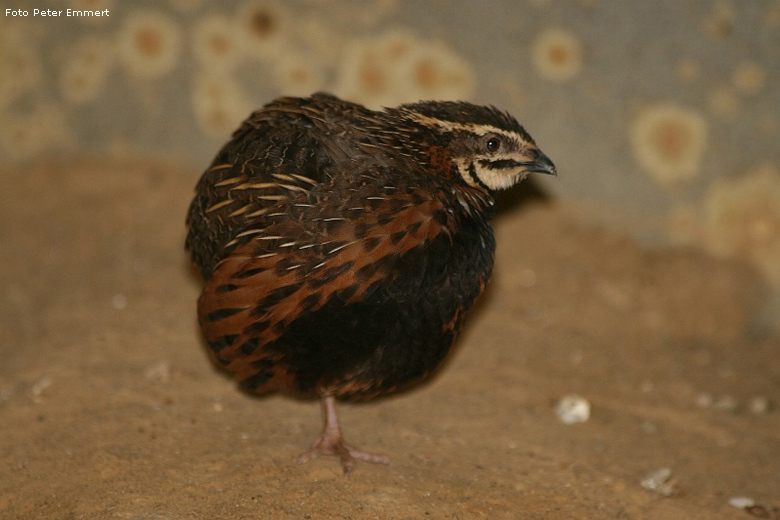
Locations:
{"points": [[663, 117]]}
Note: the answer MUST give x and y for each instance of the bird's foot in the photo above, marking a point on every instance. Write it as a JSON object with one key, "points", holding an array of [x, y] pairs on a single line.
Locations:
{"points": [[329, 443]]}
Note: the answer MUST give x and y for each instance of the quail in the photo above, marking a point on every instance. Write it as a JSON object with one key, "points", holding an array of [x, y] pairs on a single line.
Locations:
{"points": [[342, 247]]}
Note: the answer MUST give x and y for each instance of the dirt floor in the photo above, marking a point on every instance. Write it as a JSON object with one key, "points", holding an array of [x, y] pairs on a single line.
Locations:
{"points": [[109, 407]]}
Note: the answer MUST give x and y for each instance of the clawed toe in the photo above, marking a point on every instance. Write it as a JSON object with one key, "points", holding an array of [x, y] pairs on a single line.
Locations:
{"points": [[346, 454], [331, 442]]}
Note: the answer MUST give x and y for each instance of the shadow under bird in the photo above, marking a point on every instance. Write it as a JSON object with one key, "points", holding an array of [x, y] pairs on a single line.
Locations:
{"points": [[343, 247]]}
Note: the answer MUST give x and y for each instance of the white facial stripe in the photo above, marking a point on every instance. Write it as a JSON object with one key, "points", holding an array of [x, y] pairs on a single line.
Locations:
{"points": [[453, 126], [498, 179], [463, 169], [495, 179]]}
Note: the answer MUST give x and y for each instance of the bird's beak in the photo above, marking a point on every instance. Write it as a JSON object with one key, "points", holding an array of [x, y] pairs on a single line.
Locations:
{"points": [[540, 163]]}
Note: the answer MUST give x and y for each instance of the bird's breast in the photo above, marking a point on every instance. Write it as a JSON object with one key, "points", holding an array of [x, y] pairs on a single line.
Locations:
{"points": [[325, 302]]}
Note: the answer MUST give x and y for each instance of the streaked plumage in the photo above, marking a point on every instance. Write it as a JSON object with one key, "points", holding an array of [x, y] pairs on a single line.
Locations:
{"points": [[343, 247]]}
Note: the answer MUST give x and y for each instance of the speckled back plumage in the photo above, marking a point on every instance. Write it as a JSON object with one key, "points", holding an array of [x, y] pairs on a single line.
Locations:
{"points": [[343, 247]]}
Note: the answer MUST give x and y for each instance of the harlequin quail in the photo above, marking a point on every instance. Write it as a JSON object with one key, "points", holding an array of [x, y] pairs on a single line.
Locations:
{"points": [[343, 247]]}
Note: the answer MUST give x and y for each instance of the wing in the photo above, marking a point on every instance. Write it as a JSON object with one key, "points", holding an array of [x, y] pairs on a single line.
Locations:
{"points": [[297, 266], [289, 147], [264, 164]]}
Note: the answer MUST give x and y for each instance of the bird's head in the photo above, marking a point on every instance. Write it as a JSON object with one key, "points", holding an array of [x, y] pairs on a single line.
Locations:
{"points": [[489, 148]]}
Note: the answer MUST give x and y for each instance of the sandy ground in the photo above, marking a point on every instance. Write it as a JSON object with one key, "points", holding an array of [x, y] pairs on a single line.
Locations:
{"points": [[109, 407]]}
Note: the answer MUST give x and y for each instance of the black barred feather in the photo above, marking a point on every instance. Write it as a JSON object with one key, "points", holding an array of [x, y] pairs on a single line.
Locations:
{"points": [[342, 247]]}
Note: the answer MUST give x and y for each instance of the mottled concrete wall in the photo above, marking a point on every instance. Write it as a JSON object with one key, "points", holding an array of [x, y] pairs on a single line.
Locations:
{"points": [[664, 115]]}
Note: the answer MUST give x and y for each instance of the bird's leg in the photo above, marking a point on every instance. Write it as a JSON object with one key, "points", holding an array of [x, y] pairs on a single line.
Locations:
{"points": [[331, 442]]}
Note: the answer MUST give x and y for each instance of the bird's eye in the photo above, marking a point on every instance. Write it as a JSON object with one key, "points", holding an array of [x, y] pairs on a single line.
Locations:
{"points": [[493, 144]]}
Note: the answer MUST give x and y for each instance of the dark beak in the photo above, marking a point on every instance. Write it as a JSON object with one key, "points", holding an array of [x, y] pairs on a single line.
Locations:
{"points": [[541, 164]]}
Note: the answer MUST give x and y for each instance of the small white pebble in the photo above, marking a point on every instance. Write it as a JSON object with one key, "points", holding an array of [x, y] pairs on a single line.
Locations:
{"points": [[573, 409], [741, 502], [650, 427], [527, 278], [38, 388], [119, 301], [159, 372], [704, 400], [244, 436], [659, 481], [7, 392], [759, 405], [614, 295]]}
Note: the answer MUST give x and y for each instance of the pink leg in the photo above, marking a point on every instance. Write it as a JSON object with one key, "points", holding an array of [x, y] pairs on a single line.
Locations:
{"points": [[331, 442]]}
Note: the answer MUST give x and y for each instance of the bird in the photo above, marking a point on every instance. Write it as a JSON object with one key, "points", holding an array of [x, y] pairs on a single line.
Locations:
{"points": [[342, 247]]}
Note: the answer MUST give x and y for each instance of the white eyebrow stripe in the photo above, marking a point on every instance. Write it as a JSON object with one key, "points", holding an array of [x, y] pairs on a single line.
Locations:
{"points": [[451, 125]]}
